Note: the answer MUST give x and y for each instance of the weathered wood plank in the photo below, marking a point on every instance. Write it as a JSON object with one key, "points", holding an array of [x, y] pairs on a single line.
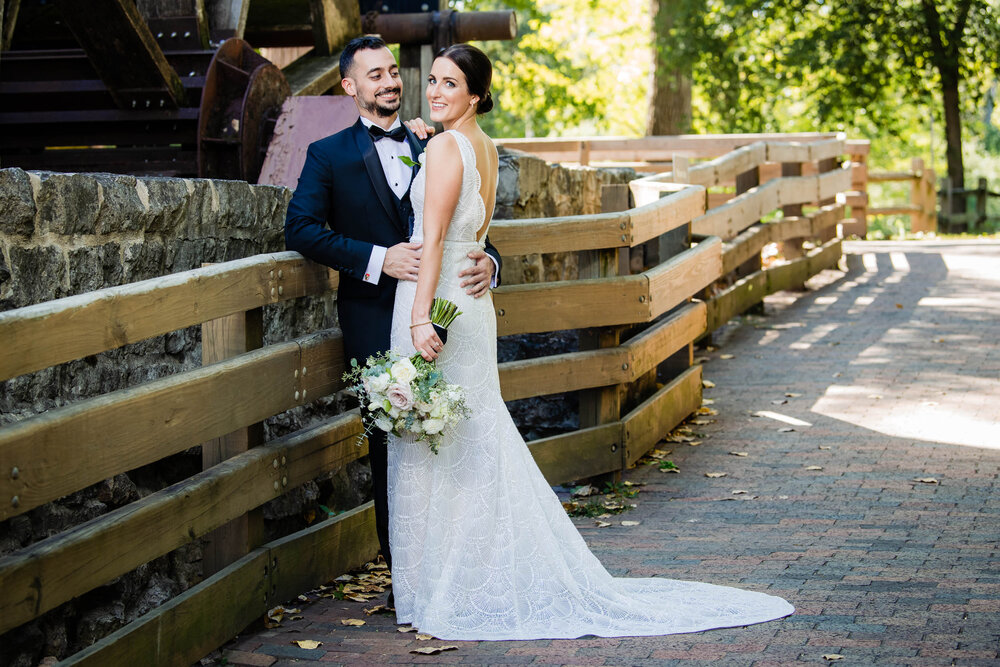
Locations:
{"points": [[579, 454], [69, 564], [684, 274], [131, 65], [656, 416], [556, 305], [562, 372], [561, 234], [664, 338], [313, 74], [54, 332], [729, 303], [831, 183], [663, 215], [334, 23], [188, 627], [228, 18], [132, 427]]}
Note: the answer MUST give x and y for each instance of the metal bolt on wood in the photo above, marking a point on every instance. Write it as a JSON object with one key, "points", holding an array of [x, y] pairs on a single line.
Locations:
{"points": [[274, 292], [303, 370], [284, 481], [276, 486], [281, 273], [274, 463], [623, 237], [303, 394], [281, 290], [15, 501], [15, 472], [642, 299], [296, 374], [500, 312], [283, 460], [624, 367], [622, 226], [296, 396]]}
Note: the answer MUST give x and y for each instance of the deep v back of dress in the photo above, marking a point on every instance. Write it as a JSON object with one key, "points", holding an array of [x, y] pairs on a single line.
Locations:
{"points": [[481, 546]]}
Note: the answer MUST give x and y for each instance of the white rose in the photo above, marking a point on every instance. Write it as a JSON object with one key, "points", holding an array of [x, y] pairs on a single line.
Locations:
{"points": [[379, 383], [403, 371], [417, 427], [400, 396], [422, 407], [432, 426], [374, 406], [383, 423]]}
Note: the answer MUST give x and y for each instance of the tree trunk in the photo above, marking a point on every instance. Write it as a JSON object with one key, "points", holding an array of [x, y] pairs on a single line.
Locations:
{"points": [[953, 136], [669, 86]]}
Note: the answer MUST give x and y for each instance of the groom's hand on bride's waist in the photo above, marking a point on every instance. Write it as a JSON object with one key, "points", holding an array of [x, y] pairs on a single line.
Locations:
{"points": [[479, 277], [402, 261]]}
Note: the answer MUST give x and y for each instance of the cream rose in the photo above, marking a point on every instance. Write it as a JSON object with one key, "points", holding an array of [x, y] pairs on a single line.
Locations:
{"points": [[432, 426], [403, 371], [400, 396]]}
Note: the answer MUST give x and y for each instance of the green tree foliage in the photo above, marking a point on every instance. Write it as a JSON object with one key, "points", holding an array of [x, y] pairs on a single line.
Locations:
{"points": [[578, 67]]}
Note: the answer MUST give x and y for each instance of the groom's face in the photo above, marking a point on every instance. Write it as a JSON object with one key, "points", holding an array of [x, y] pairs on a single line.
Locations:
{"points": [[374, 83]]}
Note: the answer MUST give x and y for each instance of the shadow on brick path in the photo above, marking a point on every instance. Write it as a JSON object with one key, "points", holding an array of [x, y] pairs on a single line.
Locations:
{"points": [[879, 376]]}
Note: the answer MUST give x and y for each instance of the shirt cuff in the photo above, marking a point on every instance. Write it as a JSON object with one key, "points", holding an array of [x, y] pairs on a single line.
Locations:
{"points": [[496, 271], [374, 269]]}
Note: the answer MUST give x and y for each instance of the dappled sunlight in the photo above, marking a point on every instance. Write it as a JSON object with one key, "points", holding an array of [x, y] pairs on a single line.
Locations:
{"points": [[959, 415], [784, 419]]}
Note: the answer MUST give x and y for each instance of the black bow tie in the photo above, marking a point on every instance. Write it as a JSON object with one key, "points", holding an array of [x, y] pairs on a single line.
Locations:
{"points": [[397, 134]]}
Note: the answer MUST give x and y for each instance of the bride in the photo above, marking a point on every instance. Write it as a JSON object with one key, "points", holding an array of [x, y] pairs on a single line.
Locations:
{"points": [[482, 548]]}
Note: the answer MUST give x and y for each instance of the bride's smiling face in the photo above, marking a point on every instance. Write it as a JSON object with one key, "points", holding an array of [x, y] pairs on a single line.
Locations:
{"points": [[448, 92]]}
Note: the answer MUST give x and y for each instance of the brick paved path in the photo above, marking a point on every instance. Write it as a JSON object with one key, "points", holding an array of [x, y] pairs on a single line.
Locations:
{"points": [[887, 373]]}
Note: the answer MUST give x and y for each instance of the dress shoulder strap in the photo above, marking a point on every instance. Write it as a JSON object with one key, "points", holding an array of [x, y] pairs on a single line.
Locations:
{"points": [[465, 148]]}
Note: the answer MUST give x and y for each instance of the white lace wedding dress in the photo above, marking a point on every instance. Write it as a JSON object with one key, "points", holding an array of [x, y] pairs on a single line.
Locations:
{"points": [[481, 546]]}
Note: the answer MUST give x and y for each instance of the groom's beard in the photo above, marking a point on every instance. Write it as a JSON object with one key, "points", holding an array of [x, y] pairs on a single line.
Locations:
{"points": [[383, 109]]}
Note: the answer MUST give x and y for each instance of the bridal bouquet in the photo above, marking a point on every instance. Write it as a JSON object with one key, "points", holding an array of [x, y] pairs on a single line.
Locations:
{"points": [[408, 395]]}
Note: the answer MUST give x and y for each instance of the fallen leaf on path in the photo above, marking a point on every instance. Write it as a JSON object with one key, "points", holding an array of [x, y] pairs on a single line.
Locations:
{"points": [[789, 394], [602, 524], [434, 650], [926, 480], [899, 305], [814, 467], [707, 411], [739, 453], [423, 638], [584, 491], [780, 401], [875, 396], [727, 356], [785, 429], [833, 656], [782, 497], [837, 374], [737, 492], [701, 360], [307, 643], [630, 523], [406, 628], [352, 621], [707, 401], [825, 447], [344, 578], [707, 384], [702, 422], [374, 610], [357, 597], [716, 474]]}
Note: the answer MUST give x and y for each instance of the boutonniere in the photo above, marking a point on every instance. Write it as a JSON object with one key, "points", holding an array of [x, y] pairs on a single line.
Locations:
{"points": [[419, 162]]}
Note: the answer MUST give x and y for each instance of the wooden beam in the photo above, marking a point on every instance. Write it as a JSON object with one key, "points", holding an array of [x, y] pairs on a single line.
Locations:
{"points": [[54, 332], [116, 432], [675, 280], [313, 74], [562, 234], [335, 22], [556, 305], [223, 339], [648, 423], [8, 19], [227, 18], [191, 625], [666, 213], [131, 65], [579, 454], [59, 568]]}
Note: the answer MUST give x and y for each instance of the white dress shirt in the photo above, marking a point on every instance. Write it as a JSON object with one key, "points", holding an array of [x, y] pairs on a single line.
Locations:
{"points": [[398, 175]]}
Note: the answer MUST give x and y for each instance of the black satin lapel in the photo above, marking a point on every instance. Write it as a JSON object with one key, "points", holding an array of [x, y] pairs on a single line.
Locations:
{"points": [[374, 167]]}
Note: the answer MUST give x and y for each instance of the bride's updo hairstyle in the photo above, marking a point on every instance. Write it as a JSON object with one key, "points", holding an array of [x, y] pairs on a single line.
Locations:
{"points": [[478, 71]]}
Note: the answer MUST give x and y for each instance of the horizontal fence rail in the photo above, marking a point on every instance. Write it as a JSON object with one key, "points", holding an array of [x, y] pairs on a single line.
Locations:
{"points": [[645, 319]]}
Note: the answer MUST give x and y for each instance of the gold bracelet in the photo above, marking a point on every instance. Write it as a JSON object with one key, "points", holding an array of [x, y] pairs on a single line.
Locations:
{"points": [[420, 324]]}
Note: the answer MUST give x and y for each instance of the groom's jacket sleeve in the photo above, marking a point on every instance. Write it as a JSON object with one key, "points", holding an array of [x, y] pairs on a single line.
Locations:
{"points": [[306, 228], [495, 254]]}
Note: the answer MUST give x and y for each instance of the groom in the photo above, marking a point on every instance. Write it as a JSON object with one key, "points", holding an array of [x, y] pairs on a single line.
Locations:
{"points": [[351, 211]]}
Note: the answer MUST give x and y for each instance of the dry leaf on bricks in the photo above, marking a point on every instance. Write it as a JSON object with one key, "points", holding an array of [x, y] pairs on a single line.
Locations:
{"points": [[630, 523], [785, 429], [352, 621], [307, 643], [422, 637], [740, 454], [737, 492], [926, 480], [716, 474], [406, 628], [789, 394], [434, 650], [707, 384], [832, 656], [814, 467], [602, 524], [727, 356]]}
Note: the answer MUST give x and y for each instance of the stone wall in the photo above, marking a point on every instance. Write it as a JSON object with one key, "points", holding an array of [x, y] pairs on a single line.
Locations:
{"points": [[67, 234]]}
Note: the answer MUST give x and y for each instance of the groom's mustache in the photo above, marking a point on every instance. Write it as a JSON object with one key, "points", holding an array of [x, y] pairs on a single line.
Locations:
{"points": [[385, 91]]}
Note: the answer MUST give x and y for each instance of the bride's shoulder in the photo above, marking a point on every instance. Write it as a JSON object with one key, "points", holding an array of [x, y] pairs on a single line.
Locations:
{"points": [[444, 146]]}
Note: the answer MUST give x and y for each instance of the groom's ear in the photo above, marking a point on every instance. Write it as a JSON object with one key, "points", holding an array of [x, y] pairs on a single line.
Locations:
{"points": [[347, 84]]}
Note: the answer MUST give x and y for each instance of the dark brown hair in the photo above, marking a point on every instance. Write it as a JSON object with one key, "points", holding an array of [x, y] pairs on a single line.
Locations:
{"points": [[478, 71]]}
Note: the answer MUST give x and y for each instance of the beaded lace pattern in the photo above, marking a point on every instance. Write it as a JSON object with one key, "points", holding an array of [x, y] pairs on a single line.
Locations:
{"points": [[482, 547]]}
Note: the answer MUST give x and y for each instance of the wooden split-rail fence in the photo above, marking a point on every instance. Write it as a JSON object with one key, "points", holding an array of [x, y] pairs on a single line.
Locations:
{"points": [[634, 321], [922, 204]]}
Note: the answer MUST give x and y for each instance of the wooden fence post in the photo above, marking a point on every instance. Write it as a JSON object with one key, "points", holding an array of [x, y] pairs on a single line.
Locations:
{"points": [[857, 199], [981, 195], [221, 339], [919, 220], [744, 182], [944, 220], [604, 404], [792, 248], [823, 166]]}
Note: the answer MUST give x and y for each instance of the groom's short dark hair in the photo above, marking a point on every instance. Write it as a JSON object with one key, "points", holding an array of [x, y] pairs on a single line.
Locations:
{"points": [[355, 45]]}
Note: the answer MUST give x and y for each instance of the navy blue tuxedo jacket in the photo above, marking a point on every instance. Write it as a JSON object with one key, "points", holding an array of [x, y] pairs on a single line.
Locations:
{"points": [[341, 208]]}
